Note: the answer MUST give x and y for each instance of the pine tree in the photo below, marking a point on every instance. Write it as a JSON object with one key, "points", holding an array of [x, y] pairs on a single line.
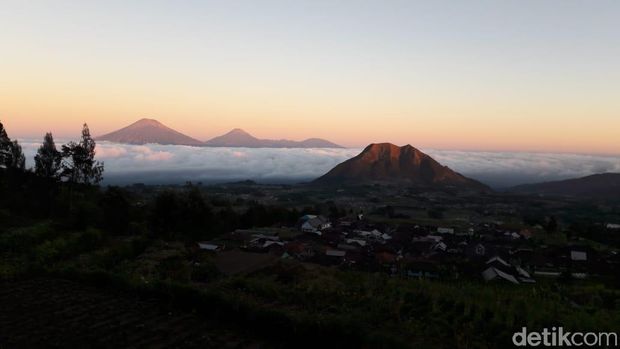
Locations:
{"points": [[48, 159], [11, 155], [79, 164], [19, 160], [6, 152]]}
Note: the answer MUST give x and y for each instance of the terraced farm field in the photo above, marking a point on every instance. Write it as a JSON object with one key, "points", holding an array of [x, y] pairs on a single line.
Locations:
{"points": [[56, 313]]}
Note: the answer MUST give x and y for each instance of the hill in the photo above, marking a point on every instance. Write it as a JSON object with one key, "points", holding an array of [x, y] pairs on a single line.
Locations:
{"points": [[604, 185], [388, 163]]}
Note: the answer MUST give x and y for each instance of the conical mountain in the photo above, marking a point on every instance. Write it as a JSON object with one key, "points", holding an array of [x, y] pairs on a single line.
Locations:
{"points": [[388, 163], [235, 138], [146, 131]]}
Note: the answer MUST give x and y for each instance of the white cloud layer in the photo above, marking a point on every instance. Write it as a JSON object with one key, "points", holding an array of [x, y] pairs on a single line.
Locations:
{"points": [[503, 169], [125, 164]]}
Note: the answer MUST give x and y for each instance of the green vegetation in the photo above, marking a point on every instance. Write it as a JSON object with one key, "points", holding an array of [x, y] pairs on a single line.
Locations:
{"points": [[55, 222], [350, 307]]}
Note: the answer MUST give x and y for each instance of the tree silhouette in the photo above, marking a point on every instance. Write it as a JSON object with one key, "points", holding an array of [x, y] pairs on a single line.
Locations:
{"points": [[5, 147], [79, 164], [11, 155], [48, 159], [19, 160]]}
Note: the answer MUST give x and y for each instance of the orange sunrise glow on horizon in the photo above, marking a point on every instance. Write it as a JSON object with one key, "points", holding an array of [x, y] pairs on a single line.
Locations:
{"points": [[463, 76]]}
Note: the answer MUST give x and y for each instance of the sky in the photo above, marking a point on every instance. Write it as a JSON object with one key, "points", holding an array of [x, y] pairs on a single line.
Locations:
{"points": [[525, 76]]}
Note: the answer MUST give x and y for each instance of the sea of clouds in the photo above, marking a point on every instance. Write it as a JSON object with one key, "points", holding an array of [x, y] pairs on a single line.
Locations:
{"points": [[167, 164]]}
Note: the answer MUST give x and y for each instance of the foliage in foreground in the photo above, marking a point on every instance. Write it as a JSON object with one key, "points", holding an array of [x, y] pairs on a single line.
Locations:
{"points": [[312, 306]]}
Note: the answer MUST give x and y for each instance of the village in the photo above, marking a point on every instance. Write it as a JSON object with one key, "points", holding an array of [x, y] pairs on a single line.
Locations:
{"points": [[483, 251]]}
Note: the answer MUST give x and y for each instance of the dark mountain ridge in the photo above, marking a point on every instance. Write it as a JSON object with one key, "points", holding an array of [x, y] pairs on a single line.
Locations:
{"points": [[603, 185]]}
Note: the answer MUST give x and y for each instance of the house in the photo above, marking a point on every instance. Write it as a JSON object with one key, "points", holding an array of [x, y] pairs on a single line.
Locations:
{"points": [[267, 244], [526, 233], [314, 224], [335, 253], [346, 247], [474, 250], [498, 268], [207, 246], [513, 235], [421, 269], [440, 246], [493, 273], [354, 257], [374, 234], [547, 272], [261, 241], [578, 256], [299, 250], [385, 258], [359, 242], [442, 230], [468, 232], [498, 260], [524, 276], [480, 250]]}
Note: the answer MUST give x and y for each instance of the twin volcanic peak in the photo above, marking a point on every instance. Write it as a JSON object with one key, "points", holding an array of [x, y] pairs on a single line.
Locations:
{"points": [[388, 163], [240, 138], [146, 131]]}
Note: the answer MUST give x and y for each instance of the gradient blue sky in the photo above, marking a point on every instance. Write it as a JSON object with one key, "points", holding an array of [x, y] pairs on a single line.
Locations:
{"points": [[490, 75]]}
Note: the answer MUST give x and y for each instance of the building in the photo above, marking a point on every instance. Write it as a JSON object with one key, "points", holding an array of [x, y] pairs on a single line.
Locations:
{"points": [[314, 224], [493, 273], [207, 246], [442, 230]]}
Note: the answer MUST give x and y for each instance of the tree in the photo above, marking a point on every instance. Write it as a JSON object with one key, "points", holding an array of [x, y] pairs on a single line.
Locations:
{"points": [[195, 211], [17, 157], [11, 155], [79, 164], [551, 224], [116, 208], [165, 216], [48, 159], [5, 148]]}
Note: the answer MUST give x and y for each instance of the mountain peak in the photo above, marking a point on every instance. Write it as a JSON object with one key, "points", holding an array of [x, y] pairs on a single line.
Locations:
{"points": [[386, 162], [388, 146], [147, 122], [146, 131], [238, 131], [388, 152]]}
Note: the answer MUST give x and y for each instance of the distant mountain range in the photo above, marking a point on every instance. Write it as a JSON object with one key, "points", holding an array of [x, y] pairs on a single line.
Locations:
{"points": [[604, 185], [388, 163], [146, 131], [240, 138]]}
